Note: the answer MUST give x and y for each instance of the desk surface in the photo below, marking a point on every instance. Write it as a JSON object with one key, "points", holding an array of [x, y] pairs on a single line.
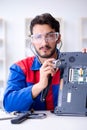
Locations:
{"points": [[51, 122]]}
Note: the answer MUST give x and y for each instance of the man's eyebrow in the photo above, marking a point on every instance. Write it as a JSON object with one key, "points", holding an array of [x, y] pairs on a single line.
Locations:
{"points": [[38, 34], [50, 32]]}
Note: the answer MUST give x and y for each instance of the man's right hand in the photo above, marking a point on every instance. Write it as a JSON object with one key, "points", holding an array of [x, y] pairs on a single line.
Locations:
{"points": [[47, 69]]}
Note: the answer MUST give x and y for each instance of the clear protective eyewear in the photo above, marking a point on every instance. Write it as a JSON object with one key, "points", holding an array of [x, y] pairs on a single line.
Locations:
{"points": [[48, 37]]}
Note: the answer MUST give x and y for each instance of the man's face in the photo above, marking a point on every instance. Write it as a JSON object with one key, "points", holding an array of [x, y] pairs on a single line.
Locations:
{"points": [[44, 40]]}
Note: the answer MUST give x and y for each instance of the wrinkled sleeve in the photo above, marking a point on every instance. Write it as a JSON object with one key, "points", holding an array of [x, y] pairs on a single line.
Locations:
{"points": [[17, 95]]}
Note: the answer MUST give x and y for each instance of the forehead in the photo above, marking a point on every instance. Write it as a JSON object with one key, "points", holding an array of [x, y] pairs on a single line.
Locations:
{"points": [[45, 28]]}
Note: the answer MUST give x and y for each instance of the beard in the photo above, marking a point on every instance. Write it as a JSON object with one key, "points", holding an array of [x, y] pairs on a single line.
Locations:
{"points": [[52, 52]]}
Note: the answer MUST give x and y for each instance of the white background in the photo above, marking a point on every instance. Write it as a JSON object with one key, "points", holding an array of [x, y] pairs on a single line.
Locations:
{"points": [[14, 13]]}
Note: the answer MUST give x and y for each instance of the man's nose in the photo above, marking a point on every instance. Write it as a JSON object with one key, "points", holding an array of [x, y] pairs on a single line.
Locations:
{"points": [[44, 40]]}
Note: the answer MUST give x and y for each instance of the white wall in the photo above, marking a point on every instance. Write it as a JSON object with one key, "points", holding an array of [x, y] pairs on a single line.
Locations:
{"points": [[15, 12]]}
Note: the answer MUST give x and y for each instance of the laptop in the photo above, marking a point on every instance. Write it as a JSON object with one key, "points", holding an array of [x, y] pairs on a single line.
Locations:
{"points": [[72, 96]]}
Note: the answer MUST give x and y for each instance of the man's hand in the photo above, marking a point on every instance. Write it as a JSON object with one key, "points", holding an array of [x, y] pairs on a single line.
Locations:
{"points": [[84, 50], [47, 69]]}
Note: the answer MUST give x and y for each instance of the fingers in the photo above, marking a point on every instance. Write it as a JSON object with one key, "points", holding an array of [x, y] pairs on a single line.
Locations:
{"points": [[48, 62], [84, 50], [48, 67], [49, 70]]}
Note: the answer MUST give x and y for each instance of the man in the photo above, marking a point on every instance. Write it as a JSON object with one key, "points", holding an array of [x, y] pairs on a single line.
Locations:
{"points": [[29, 77]]}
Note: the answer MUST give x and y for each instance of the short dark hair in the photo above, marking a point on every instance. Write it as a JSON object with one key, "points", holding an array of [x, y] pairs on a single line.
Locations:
{"points": [[45, 18]]}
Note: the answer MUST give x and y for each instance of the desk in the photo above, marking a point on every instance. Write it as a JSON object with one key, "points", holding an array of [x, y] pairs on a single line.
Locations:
{"points": [[51, 122]]}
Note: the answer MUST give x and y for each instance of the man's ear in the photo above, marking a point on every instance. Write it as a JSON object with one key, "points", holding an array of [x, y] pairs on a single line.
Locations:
{"points": [[59, 39]]}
